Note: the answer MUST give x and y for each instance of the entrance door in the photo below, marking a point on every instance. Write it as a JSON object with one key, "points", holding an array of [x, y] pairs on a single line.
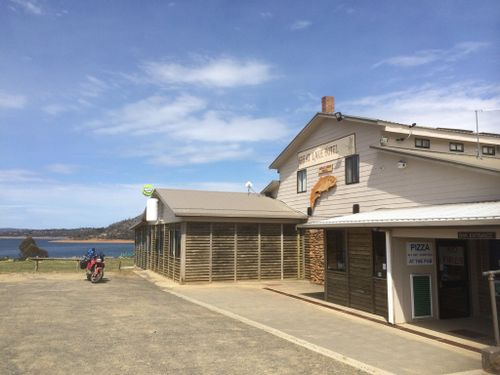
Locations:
{"points": [[453, 279]]}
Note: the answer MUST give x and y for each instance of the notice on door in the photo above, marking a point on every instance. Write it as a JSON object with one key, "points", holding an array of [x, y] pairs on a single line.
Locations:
{"points": [[419, 254]]}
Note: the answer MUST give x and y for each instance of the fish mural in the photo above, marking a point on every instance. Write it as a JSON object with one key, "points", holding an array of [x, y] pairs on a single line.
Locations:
{"points": [[324, 184]]}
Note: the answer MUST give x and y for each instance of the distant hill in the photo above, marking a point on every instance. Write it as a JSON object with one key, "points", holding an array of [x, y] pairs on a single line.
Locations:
{"points": [[116, 231]]}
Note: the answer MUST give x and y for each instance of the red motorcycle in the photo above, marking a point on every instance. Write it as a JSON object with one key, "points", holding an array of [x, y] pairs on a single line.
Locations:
{"points": [[94, 265]]}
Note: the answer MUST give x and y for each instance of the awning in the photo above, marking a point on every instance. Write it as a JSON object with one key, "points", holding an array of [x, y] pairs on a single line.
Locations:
{"points": [[457, 214]]}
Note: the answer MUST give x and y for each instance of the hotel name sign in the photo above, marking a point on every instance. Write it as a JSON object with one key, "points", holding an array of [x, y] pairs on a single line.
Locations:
{"points": [[327, 152]]}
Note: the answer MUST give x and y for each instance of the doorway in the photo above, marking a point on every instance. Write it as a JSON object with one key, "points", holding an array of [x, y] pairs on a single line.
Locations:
{"points": [[453, 279]]}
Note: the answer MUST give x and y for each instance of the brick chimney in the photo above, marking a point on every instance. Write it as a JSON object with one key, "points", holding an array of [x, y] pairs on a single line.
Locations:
{"points": [[327, 104]]}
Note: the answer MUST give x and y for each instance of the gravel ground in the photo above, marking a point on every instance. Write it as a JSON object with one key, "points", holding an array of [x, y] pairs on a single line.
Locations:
{"points": [[62, 324]]}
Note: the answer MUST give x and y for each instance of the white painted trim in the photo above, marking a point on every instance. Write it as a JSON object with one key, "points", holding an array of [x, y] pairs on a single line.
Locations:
{"points": [[412, 302], [390, 281]]}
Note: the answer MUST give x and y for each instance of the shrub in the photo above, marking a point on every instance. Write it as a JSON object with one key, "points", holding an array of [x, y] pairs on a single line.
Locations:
{"points": [[28, 248]]}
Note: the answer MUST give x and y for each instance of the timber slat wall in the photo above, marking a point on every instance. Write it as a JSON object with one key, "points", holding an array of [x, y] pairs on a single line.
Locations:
{"points": [[198, 252], [360, 269], [357, 287], [223, 252], [380, 296], [153, 252], [247, 260], [270, 263], [291, 259], [337, 288]]}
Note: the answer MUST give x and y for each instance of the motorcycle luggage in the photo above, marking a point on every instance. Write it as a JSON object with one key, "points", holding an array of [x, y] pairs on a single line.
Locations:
{"points": [[83, 263]]}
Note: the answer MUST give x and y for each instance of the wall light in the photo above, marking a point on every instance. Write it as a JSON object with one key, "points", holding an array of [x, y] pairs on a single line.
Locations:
{"points": [[339, 116], [402, 164]]}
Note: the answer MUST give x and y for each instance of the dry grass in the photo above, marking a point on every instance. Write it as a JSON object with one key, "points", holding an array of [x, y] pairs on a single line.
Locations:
{"points": [[14, 266]]}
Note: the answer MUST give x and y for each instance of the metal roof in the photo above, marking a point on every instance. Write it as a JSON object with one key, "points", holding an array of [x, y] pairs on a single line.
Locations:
{"points": [[308, 129], [197, 203], [485, 163], [455, 214]]}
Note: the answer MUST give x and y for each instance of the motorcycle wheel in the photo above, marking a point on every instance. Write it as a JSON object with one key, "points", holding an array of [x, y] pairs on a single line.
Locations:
{"points": [[96, 277]]}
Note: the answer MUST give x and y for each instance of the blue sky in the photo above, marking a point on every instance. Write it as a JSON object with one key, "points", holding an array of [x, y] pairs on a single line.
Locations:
{"points": [[98, 98]]}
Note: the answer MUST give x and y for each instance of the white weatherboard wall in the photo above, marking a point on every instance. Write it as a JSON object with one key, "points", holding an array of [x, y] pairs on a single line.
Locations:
{"points": [[402, 283], [382, 184]]}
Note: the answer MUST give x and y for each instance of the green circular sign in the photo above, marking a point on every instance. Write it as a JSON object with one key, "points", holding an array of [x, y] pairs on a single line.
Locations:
{"points": [[147, 190]]}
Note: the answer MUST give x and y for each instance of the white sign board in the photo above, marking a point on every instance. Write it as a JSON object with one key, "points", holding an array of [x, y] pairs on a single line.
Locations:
{"points": [[327, 152], [419, 254]]}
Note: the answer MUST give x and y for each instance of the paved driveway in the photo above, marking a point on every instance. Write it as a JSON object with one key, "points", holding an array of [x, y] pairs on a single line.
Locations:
{"points": [[62, 324]]}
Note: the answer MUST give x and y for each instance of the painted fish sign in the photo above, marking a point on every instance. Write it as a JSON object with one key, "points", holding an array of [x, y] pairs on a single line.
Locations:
{"points": [[324, 184]]}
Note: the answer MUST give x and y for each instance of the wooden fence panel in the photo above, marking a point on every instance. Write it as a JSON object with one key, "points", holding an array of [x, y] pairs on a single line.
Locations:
{"points": [[223, 244], [290, 255], [198, 252], [270, 265], [247, 264]]}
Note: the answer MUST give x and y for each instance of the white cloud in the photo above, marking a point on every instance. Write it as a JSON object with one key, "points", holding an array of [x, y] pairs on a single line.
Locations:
{"points": [[29, 6], [266, 15], [221, 72], [198, 154], [450, 106], [424, 57], [61, 168], [300, 25], [49, 204], [55, 109], [10, 101], [151, 115], [183, 130], [186, 118], [93, 87], [15, 176]]}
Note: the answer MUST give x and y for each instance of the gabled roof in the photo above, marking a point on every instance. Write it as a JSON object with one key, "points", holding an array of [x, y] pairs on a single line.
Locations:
{"points": [[271, 187], [197, 203], [456, 214], [485, 163], [444, 133]]}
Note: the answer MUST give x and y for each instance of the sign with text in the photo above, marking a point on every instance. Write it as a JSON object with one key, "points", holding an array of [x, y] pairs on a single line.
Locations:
{"points": [[327, 152], [419, 254], [476, 235], [451, 255]]}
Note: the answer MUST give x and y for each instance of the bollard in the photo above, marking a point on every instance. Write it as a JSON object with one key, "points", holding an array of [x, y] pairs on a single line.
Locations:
{"points": [[491, 355], [120, 265]]}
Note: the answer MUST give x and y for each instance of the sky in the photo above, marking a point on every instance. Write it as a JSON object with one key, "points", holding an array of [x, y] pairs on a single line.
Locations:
{"points": [[98, 98]]}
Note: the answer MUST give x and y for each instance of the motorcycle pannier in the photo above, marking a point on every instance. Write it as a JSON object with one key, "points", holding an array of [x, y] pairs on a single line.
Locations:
{"points": [[83, 263]]}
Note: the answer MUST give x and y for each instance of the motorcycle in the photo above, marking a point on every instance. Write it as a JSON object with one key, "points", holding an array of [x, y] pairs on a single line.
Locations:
{"points": [[95, 269], [94, 265]]}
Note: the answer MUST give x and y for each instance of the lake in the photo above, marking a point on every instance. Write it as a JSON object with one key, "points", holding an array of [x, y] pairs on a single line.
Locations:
{"points": [[9, 247]]}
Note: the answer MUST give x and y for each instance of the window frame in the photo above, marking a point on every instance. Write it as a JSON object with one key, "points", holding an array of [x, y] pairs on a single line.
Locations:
{"points": [[342, 233], [303, 182], [354, 179], [422, 143], [455, 147], [488, 147], [378, 260]]}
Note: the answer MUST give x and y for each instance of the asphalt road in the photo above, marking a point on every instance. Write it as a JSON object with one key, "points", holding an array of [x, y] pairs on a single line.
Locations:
{"points": [[62, 324]]}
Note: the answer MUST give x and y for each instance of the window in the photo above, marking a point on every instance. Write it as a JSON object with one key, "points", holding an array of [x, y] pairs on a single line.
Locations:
{"points": [[175, 241], [422, 143], [302, 181], [457, 147], [379, 255], [488, 150], [352, 169], [159, 240], [336, 250]]}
